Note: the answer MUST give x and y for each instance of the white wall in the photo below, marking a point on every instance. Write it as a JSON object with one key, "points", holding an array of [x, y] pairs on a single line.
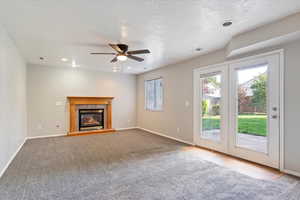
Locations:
{"points": [[48, 85], [12, 99], [178, 88]]}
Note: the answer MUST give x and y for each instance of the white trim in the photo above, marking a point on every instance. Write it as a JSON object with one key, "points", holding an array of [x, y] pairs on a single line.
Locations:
{"points": [[291, 172], [46, 136], [281, 111], [12, 158], [124, 129], [221, 145], [166, 136], [279, 51], [282, 70]]}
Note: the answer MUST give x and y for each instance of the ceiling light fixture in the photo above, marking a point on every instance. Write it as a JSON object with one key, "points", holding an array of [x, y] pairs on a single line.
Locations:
{"points": [[64, 59], [128, 67], [227, 23], [121, 57]]}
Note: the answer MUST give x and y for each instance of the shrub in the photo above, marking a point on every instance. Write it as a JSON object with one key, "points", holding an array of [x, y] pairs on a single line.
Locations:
{"points": [[215, 109], [204, 107]]}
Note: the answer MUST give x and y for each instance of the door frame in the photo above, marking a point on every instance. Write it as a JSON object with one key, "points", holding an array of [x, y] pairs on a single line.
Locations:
{"points": [[272, 156], [196, 122], [221, 145]]}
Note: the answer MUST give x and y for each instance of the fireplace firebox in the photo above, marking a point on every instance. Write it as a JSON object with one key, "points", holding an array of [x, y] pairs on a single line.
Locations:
{"points": [[91, 119]]}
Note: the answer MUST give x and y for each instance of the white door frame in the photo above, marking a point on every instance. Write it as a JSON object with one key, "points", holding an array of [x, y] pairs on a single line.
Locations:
{"points": [[271, 158], [279, 52], [221, 145]]}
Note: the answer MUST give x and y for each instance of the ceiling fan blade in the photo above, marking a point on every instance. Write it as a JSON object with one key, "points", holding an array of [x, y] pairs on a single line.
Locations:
{"points": [[143, 51], [116, 47], [103, 54], [114, 60], [135, 58]]}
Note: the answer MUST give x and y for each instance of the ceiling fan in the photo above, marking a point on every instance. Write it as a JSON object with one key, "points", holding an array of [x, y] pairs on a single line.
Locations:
{"points": [[122, 53]]}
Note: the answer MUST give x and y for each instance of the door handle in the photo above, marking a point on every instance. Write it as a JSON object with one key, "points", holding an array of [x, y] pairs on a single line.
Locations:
{"points": [[274, 116]]}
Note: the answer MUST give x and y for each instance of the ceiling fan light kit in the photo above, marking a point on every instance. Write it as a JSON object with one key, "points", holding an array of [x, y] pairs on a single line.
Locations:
{"points": [[122, 57], [122, 53]]}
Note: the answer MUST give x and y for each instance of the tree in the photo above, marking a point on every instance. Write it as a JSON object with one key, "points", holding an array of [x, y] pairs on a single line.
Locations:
{"points": [[243, 99], [259, 88], [204, 107]]}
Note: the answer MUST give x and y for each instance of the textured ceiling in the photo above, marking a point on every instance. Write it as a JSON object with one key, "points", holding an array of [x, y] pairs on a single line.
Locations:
{"points": [[171, 29]]}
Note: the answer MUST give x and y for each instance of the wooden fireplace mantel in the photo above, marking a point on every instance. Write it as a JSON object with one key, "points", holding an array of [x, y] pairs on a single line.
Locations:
{"points": [[74, 101]]}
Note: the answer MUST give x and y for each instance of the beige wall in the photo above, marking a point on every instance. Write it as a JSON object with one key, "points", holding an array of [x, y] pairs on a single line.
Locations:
{"points": [[49, 86], [178, 88], [12, 99]]}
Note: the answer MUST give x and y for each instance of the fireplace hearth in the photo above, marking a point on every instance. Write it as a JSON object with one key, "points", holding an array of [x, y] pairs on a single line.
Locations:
{"points": [[91, 119]]}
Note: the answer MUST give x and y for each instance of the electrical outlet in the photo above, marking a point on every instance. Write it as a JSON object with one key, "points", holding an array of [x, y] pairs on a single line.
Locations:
{"points": [[39, 127]]}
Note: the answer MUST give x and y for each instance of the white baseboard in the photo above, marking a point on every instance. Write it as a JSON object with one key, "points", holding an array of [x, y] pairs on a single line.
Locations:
{"points": [[166, 136], [45, 136], [12, 158], [124, 129], [291, 172]]}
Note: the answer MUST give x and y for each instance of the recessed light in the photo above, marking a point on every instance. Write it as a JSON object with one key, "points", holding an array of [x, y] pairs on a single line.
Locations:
{"points": [[198, 49], [227, 23], [128, 67], [64, 59]]}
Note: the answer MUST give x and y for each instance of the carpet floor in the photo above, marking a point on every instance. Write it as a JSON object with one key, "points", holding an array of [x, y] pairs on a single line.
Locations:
{"points": [[128, 165]]}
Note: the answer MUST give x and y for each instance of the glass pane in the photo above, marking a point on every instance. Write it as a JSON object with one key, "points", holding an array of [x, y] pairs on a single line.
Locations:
{"points": [[158, 94], [154, 94], [211, 105], [252, 108]]}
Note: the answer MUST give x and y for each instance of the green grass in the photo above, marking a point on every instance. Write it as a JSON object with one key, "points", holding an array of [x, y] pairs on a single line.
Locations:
{"points": [[248, 124]]}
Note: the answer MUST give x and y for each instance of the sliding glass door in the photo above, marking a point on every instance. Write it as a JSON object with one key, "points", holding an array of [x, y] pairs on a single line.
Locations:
{"points": [[236, 109]]}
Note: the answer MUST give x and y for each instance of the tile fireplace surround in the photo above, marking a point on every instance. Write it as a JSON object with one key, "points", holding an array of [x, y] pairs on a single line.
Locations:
{"points": [[76, 102]]}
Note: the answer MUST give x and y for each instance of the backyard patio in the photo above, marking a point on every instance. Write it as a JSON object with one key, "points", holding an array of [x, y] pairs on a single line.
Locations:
{"points": [[252, 133]]}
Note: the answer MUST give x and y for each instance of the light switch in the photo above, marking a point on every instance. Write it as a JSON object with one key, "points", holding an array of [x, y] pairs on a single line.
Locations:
{"points": [[187, 103], [58, 103]]}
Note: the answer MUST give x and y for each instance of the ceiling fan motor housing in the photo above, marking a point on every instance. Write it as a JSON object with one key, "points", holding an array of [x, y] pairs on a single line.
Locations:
{"points": [[123, 47]]}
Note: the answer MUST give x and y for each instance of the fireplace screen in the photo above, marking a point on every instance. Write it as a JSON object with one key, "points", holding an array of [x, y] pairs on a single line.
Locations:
{"points": [[91, 119]]}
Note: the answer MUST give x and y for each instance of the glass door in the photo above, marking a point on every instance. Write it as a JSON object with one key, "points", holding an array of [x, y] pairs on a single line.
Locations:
{"points": [[254, 110], [211, 108]]}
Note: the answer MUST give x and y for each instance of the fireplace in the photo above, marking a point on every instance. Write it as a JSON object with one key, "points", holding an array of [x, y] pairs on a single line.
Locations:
{"points": [[89, 115], [90, 119]]}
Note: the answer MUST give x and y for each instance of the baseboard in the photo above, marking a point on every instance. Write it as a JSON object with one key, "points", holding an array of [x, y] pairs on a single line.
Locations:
{"points": [[46, 136], [291, 172], [124, 129], [166, 136], [12, 158]]}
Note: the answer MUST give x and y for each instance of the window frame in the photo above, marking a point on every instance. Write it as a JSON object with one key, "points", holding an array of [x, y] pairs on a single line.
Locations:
{"points": [[146, 94]]}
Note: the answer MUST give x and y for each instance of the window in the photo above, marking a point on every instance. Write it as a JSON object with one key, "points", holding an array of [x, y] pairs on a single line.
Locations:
{"points": [[154, 94]]}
